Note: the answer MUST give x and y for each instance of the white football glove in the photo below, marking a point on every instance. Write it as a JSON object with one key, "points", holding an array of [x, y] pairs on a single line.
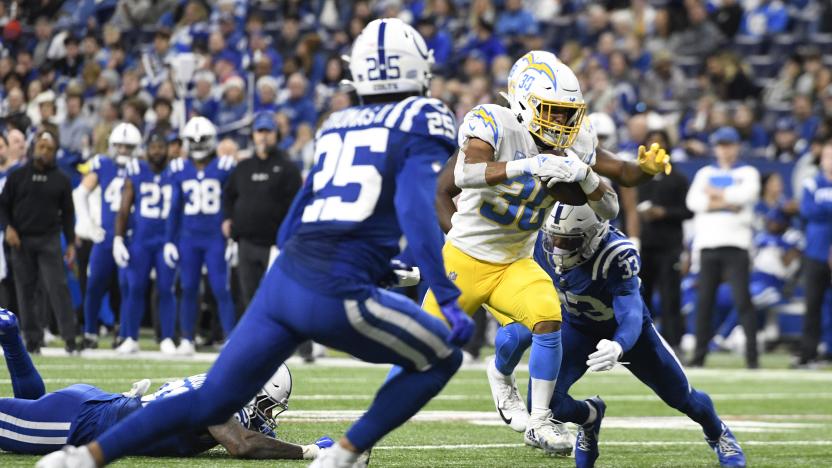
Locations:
{"points": [[231, 253], [565, 169], [273, 253], [607, 356], [407, 275], [171, 254], [93, 232], [120, 253]]}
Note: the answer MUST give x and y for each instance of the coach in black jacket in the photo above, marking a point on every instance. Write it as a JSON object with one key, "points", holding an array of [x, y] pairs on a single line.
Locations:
{"points": [[35, 206], [256, 198]]}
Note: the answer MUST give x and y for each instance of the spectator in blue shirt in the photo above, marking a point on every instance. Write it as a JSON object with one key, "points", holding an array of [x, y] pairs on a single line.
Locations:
{"points": [[484, 41], [754, 135], [785, 145], [299, 109], [768, 18], [515, 21], [438, 40], [816, 210], [266, 95], [807, 121], [203, 102], [232, 112], [260, 45]]}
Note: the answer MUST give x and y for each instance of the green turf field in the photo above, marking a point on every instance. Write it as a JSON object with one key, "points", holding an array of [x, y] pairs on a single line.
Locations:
{"points": [[783, 418]]}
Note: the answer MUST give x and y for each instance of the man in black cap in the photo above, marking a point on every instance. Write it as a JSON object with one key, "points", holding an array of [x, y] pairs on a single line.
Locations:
{"points": [[255, 200], [35, 207]]}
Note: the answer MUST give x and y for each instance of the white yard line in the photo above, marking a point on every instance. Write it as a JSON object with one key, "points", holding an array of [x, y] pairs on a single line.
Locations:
{"points": [[605, 443], [610, 398], [341, 362]]}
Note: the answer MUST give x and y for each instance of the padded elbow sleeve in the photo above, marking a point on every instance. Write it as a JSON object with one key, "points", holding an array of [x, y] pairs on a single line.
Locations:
{"points": [[469, 175], [607, 206]]}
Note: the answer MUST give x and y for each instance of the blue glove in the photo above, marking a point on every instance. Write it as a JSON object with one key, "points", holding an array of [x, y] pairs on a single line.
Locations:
{"points": [[462, 327], [324, 442]]}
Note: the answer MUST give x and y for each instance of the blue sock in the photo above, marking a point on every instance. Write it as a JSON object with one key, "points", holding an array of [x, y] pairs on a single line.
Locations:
{"points": [[511, 342], [401, 396], [567, 409], [544, 366], [26, 381], [700, 408]]}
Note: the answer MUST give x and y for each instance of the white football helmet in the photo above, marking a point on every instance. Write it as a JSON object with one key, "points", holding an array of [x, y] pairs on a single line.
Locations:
{"points": [[572, 234], [390, 57], [605, 129], [200, 137], [546, 97], [273, 399], [125, 143]]}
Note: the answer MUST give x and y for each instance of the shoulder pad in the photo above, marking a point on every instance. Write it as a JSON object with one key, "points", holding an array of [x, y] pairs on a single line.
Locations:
{"points": [[423, 116], [585, 143], [810, 184], [226, 163], [618, 259], [482, 122]]}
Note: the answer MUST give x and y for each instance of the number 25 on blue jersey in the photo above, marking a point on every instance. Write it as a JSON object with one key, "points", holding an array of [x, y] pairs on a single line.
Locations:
{"points": [[339, 171]]}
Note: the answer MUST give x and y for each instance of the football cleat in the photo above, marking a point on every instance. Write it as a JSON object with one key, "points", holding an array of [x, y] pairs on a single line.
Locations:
{"points": [[90, 341], [586, 447], [167, 346], [128, 346], [507, 398], [8, 323], [68, 457], [548, 436], [186, 348], [727, 449]]}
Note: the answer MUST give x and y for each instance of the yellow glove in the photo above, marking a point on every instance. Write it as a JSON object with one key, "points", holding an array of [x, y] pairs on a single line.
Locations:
{"points": [[654, 160]]}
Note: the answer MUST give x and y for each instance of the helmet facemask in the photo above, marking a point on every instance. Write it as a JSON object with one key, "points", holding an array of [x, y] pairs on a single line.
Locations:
{"points": [[268, 409], [556, 123], [200, 147], [567, 250]]}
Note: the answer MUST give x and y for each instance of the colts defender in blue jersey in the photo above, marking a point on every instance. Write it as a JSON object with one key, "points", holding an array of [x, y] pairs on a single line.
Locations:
{"points": [[595, 269], [108, 173], [374, 179], [35, 422], [147, 195], [194, 227]]}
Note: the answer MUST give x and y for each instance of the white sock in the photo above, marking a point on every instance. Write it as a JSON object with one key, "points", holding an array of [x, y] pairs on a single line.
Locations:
{"points": [[343, 456], [542, 391], [593, 413]]}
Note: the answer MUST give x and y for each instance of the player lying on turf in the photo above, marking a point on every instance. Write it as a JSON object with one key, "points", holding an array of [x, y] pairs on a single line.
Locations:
{"points": [[35, 422], [607, 323]]}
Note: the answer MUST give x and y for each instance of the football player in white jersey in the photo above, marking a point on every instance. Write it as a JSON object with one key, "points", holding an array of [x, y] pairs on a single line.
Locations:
{"points": [[501, 178]]}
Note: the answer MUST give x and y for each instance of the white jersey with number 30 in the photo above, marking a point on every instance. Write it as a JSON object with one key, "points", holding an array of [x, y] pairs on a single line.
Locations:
{"points": [[499, 224]]}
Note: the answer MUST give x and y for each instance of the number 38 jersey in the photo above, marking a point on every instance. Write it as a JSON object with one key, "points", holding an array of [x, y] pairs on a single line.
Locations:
{"points": [[498, 224], [196, 202], [151, 202], [587, 291], [344, 224], [111, 180]]}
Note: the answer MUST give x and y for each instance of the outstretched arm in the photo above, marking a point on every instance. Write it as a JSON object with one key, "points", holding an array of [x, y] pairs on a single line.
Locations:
{"points": [[244, 443], [626, 173]]}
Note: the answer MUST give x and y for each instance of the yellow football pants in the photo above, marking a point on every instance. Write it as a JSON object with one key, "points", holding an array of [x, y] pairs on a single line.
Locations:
{"points": [[513, 292]]}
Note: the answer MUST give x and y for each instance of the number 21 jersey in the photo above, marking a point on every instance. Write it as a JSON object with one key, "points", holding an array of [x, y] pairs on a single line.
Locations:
{"points": [[151, 202]]}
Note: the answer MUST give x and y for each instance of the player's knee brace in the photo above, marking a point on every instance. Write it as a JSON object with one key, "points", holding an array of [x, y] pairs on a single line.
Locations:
{"points": [[511, 342]]}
